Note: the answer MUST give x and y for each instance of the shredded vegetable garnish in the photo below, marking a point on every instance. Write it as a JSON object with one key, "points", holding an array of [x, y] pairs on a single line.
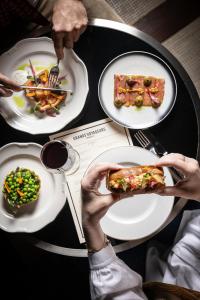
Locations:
{"points": [[44, 100]]}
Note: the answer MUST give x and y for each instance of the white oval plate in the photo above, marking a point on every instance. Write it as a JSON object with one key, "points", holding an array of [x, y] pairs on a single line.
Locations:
{"points": [[52, 191], [139, 216], [137, 63], [42, 54]]}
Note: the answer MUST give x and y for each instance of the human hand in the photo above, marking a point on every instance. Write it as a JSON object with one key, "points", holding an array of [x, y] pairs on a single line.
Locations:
{"points": [[94, 204], [7, 86], [69, 21], [189, 187]]}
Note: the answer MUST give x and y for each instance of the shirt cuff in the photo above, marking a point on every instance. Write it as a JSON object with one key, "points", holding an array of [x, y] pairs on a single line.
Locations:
{"points": [[102, 258]]}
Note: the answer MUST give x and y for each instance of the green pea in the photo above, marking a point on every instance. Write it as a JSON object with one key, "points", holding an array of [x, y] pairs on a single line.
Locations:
{"points": [[29, 187]]}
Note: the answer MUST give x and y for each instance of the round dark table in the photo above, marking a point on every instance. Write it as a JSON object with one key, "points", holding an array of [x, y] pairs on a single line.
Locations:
{"points": [[179, 132]]}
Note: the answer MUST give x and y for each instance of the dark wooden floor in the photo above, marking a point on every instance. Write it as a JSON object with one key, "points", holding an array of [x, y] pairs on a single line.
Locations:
{"points": [[168, 18]]}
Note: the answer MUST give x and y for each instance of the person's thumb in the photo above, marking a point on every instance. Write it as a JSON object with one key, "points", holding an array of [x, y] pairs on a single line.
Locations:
{"points": [[110, 199]]}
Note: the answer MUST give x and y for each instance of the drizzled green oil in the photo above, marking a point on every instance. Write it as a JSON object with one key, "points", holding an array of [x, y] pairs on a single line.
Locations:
{"points": [[39, 68], [19, 101], [22, 67], [138, 108], [50, 66], [64, 81]]}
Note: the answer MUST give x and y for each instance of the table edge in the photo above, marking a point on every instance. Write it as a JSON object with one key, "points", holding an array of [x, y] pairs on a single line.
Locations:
{"points": [[196, 101]]}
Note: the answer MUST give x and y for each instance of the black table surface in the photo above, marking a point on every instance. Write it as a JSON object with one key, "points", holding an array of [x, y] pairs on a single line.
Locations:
{"points": [[179, 132]]}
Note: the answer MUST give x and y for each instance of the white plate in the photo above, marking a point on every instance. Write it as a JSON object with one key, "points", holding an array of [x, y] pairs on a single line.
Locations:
{"points": [[52, 196], [42, 54], [137, 63], [139, 216]]}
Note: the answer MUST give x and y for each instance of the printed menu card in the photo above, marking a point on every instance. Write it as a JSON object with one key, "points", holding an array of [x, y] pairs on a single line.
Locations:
{"points": [[90, 141]]}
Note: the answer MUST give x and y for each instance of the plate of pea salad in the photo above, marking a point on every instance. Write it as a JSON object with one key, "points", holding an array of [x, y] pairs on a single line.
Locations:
{"points": [[30, 196], [21, 187]]}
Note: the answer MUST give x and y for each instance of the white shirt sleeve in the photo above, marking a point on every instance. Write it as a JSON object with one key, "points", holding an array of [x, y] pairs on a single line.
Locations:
{"points": [[182, 264], [111, 278]]}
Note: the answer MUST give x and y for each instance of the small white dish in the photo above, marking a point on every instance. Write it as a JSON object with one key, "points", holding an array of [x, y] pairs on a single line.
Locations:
{"points": [[52, 196], [15, 64], [139, 216], [137, 63]]}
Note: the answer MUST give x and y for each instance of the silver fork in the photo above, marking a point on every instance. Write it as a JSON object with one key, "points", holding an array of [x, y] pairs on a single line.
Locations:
{"points": [[158, 150], [147, 144], [53, 75]]}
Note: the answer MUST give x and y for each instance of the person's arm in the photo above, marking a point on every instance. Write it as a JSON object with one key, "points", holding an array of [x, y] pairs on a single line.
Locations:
{"points": [[69, 21], [110, 278], [189, 187], [7, 86]]}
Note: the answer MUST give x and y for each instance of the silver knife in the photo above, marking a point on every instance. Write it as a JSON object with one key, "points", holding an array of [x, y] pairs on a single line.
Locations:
{"points": [[24, 87], [45, 89]]}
